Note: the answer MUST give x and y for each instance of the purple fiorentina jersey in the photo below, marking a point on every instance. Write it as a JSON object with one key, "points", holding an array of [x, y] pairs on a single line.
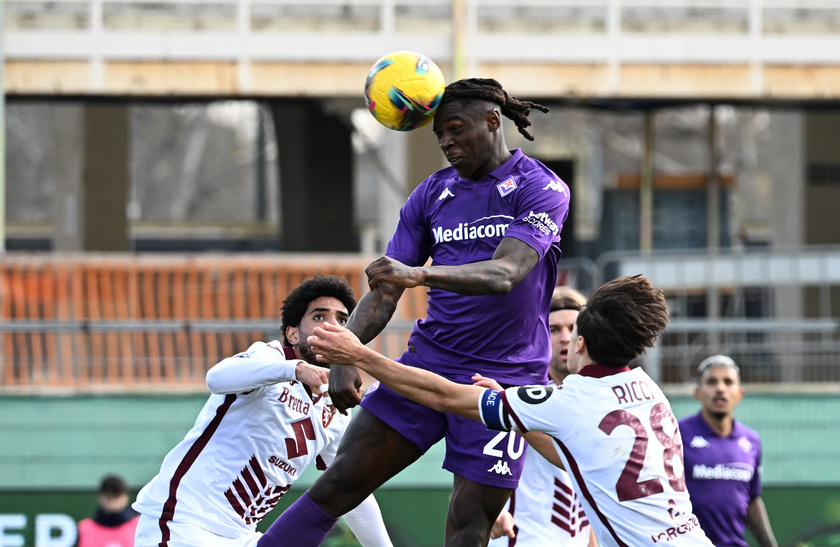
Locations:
{"points": [[722, 476], [458, 221]]}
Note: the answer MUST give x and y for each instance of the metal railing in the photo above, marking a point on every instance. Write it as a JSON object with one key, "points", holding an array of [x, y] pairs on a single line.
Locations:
{"points": [[147, 323], [776, 311], [577, 31], [86, 322]]}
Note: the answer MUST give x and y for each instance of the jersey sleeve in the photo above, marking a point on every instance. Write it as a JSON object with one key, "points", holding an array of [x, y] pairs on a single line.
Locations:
{"points": [[523, 409], [542, 207], [411, 243], [261, 365], [755, 483]]}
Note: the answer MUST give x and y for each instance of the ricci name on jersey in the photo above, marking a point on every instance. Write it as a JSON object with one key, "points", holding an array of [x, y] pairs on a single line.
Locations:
{"points": [[632, 392]]}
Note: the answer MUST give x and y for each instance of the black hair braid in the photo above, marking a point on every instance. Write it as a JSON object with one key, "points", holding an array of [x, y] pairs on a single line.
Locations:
{"points": [[488, 89]]}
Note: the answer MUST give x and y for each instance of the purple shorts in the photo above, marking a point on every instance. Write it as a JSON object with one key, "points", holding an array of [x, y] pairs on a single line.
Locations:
{"points": [[494, 458]]}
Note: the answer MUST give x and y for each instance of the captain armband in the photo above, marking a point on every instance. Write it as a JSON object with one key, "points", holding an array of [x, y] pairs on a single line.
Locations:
{"points": [[492, 411]]}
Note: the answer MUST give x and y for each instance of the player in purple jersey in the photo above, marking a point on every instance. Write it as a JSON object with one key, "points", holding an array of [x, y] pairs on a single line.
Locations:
{"points": [[491, 225], [610, 427], [723, 460]]}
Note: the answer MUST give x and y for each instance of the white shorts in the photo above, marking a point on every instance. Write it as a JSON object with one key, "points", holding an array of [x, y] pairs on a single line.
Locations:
{"points": [[181, 534]]}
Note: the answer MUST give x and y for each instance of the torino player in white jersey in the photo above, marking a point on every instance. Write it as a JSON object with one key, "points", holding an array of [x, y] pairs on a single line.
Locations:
{"points": [[267, 420], [609, 426], [545, 509]]}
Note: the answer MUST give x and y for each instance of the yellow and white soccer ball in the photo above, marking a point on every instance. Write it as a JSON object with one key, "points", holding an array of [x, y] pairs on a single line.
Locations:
{"points": [[403, 90]]}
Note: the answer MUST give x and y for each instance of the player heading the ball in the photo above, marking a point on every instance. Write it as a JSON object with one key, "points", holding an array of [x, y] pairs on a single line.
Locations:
{"points": [[403, 90]]}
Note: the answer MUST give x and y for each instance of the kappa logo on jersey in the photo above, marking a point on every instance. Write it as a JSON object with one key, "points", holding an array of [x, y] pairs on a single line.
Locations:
{"points": [[447, 193], [542, 222], [327, 414], [500, 468], [246, 354], [250, 495], [699, 442], [506, 187], [556, 186]]}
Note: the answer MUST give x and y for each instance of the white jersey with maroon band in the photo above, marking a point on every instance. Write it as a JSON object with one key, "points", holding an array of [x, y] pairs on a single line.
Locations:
{"points": [[246, 448], [619, 441], [545, 508]]}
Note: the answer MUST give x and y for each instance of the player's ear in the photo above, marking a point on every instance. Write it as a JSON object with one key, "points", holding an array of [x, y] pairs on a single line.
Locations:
{"points": [[494, 120], [580, 345], [293, 335]]}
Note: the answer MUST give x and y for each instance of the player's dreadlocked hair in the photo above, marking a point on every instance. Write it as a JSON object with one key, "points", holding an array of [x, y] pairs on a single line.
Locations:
{"points": [[488, 89], [297, 302]]}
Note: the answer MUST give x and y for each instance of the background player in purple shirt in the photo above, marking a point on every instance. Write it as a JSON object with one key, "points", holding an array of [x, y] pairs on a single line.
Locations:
{"points": [[723, 460], [491, 225]]}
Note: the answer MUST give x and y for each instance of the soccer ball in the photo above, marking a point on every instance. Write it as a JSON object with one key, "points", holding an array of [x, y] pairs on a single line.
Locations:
{"points": [[403, 90]]}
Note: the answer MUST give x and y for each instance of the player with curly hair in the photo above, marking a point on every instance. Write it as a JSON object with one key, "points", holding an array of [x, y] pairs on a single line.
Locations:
{"points": [[491, 224], [266, 421]]}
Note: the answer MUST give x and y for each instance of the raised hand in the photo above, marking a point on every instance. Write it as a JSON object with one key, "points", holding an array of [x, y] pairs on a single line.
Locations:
{"points": [[503, 527], [392, 271], [480, 380], [312, 375], [345, 387], [336, 345]]}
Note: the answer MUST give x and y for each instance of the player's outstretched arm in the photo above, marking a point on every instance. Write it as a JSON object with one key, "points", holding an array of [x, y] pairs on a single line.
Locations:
{"points": [[538, 440], [511, 262], [374, 311], [759, 523], [260, 366], [371, 315], [544, 444], [333, 344]]}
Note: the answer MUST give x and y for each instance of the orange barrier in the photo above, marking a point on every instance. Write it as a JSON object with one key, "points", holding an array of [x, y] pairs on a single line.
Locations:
{"points": [[84, 322]]}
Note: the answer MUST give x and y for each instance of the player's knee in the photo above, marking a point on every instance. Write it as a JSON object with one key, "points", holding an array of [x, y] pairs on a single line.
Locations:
{"points": [[468, 531], [469, 518]]}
